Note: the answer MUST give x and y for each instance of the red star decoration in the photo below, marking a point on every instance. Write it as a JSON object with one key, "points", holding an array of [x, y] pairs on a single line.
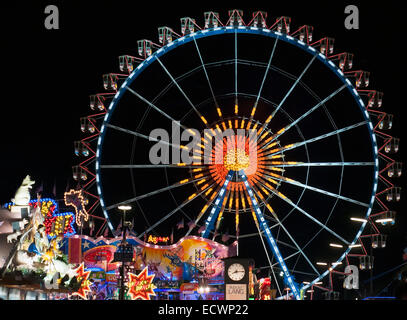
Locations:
{"points": [[141, 286], [82, 276]]}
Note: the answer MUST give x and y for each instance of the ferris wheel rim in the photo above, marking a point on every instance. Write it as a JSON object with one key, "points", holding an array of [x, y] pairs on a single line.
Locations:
{"points": [[250, 30]]}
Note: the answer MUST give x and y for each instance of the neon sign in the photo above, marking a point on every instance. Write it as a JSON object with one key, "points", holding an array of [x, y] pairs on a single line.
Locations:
{"points": [[75, 198], [56, 223], [155, 240], [141, 286]]}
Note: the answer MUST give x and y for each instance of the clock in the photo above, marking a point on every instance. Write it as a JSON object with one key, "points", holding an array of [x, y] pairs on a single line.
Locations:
{"points": [[236, 271]]}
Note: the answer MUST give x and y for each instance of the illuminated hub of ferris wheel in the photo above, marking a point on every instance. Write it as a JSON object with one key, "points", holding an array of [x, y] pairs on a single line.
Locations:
{"points": [[226, 186]]}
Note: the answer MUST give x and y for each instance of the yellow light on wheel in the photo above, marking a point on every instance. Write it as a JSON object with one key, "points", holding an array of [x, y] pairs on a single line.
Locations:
{"points": [[191, 196]]}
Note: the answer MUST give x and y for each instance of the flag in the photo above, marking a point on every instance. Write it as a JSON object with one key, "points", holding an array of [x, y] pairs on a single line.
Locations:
{"points": [[67, 188], [201, 229], [91, 227], [40, 188], [74, 250], [225, 237], [54, 189], [191, 225], [180, 224]]}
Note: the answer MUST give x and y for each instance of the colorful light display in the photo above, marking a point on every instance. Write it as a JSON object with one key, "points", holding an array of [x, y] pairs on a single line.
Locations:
{"points": [[75, 198], [56, 223], [155, 240], [141, 286], [82, 277]]}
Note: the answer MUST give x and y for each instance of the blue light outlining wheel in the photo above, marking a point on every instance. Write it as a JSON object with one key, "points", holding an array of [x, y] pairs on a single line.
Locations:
{"points": [[308, 149]]}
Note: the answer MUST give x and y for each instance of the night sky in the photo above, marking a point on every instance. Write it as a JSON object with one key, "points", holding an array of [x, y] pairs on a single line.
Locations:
{"points": [[48, 75]]}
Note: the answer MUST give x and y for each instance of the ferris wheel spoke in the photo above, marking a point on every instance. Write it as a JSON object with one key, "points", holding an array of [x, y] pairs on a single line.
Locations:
{"points": [[147, 166], [258, 216], [155, 107], [137, 134], [235, 71], [206, 206], [264, 79], [282, 164], [299, 184], [152, 193], [190, 199], [217, 207], [306, 114], [207, 78], [326, 135], [289, 235], [293, 271], [266, 251], [285, 244], [283, 197], [288, 257], [183, 93], [250, 235], [275, 265], [292, 87]]}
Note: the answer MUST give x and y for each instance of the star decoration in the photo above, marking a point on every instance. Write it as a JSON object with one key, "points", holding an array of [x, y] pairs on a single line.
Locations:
{"points": [[141, 285], [82, 277]]}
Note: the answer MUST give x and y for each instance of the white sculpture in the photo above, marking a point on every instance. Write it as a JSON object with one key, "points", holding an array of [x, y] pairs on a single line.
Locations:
{"points": [[34, 250], [25, 259], [13, 236], [58, 266], [22, 196]]}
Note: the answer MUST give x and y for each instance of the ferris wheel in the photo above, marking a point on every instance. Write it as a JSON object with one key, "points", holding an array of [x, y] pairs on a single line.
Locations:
{"points": [[307, 189]]}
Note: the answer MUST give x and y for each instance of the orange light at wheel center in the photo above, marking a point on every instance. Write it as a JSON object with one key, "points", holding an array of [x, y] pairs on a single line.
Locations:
{"points": [[233, 153], [236, 159]]}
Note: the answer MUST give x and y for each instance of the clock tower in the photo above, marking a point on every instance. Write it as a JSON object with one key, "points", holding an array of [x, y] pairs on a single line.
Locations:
{"points": [[237, 275]]}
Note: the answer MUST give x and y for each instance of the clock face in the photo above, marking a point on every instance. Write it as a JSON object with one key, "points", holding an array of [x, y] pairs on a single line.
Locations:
{"points": [[236, 272]]}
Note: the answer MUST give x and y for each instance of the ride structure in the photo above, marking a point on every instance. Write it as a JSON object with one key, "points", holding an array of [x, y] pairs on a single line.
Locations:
{"points": [[281, 177]]}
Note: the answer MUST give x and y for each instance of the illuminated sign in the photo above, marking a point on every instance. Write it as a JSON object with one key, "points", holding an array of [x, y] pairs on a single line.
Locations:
{"points": [[155, 240], [141, 286], [236, 291], [83, 279], [56, 223], [75, 198]]}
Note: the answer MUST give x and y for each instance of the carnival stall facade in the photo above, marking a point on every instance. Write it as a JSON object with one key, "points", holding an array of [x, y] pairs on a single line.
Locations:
{"points": [[178, 269]]}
